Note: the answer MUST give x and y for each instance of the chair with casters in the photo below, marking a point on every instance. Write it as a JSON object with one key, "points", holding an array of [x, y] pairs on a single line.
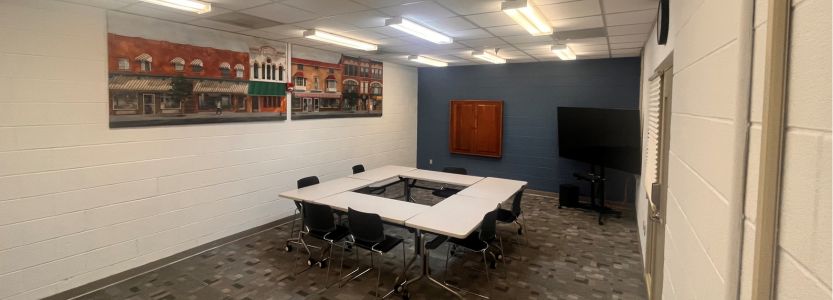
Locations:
{"points": [[444, 191], [479, 241], [515, 216], [296, 239], [320, 224], [367, 232], [375, 190]]}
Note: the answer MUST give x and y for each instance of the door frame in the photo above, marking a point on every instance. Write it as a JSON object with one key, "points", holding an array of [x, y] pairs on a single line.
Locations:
{"points": [[657, 204]]}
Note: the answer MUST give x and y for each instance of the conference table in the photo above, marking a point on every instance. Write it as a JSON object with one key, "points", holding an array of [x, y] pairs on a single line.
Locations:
{"points": [[456, 216]]}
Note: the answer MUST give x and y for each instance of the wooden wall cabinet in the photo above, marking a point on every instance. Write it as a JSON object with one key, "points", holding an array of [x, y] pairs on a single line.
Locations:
{"points": [[476, 127]]}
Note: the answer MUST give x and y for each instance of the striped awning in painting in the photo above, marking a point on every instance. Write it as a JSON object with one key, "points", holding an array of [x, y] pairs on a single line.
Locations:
{"points": [[216, 86], [144, 57], [196, 62], [239, 67], [225, 65], [136, 83], [178, 61]]}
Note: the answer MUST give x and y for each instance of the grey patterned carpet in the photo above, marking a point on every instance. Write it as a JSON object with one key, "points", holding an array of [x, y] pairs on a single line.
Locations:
{"points": [[568, 256]]}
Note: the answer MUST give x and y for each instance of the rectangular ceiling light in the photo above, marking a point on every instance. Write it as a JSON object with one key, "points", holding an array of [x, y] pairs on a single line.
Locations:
{"points": [[409, 27], [488, 57], [427, 61], [327, 37], [194, 6], [527, 15], [564, 52]]}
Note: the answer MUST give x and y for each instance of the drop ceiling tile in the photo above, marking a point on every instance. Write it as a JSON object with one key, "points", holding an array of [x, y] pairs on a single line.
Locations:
{"points": [[238, 4], [382, 3], [280, 13], [634, 17], [217, 25], [362, 19], [449, 24], [526, 38], [508, 30], [304, 41], [364, 35], [630, 29], [106, 4], [491, 19], [545, 2], [591, 53], [594, 56], [589, 41], [588, 48], [627, 45], [487, 42], [470, 34], [626, 51], [628, 38], [469, 7], [534, 46], [287, 30], [325, 7], [573, 9], [616, 6], [215, 10], [327, 24], [395, 41], [578, 23], [265, 34], [161, 12], [419, 11], [540, 52]]}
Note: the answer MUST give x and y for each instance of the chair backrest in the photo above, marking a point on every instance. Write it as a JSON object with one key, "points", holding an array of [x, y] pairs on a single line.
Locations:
{"points": [[318, 217], [307, 181], [366, 227], [488, 227], [516, 203], [358, 169], [455, 170]]}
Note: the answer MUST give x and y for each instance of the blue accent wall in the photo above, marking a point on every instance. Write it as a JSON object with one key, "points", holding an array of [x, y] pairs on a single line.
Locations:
{"points": [[531, 93]]}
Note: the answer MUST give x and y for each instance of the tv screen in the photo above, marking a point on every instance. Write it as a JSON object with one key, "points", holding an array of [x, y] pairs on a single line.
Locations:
{"points": [[606, 137]]}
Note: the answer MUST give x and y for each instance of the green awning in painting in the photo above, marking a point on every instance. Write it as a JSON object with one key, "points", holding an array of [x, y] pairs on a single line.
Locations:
{"points": [[259, 88]]}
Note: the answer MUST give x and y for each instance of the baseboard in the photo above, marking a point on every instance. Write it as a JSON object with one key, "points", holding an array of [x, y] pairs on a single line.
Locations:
{"points": [[154, 265]]}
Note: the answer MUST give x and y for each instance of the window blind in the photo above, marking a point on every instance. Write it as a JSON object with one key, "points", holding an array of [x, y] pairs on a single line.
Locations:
{"points": [[653, 118]]}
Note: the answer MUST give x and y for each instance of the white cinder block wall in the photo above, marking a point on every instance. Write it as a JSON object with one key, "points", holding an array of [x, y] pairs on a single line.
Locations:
{"points": [[79, 201], [804, 240], [701, 256], [711, 45]]}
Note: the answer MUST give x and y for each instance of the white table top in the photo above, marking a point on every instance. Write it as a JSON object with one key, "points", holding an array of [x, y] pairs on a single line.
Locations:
{"points": [[390, 210], [498, 189], [442, 177], [382, 173], [456, 216], [325, 189]]}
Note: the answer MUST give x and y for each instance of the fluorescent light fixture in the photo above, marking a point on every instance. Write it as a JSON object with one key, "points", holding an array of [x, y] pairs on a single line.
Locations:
{"points": [[427, 61], [488, 57], [527, 15], [327, 37], [409, 27], [564, 52], [194, 6]]}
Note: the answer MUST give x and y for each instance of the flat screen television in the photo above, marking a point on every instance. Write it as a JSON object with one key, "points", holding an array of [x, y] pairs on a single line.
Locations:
{"points": [[600, 136]]}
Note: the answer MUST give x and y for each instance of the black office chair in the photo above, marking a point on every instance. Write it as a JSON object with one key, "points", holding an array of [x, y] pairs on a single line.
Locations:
{"points": [[445, 192], [368, 232], [479, 241], [301, 183], [515, 215], [368, 189], [320, 224]]}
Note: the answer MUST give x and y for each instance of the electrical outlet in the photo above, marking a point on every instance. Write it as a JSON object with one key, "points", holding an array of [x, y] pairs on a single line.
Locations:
{"points": [[430, 161]]}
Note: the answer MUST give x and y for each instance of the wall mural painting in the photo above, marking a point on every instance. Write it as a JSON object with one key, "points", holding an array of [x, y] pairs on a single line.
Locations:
{"points": [[331, 85], [164, 73]]}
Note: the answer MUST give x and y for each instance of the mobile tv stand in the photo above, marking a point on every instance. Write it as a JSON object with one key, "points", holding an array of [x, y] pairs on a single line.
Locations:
{"points": [[596, 177]]}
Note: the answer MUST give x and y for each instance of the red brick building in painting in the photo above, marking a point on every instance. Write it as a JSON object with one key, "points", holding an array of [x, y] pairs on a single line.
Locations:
{"points": [[144, 72], [317, 86], [362, 83]]}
